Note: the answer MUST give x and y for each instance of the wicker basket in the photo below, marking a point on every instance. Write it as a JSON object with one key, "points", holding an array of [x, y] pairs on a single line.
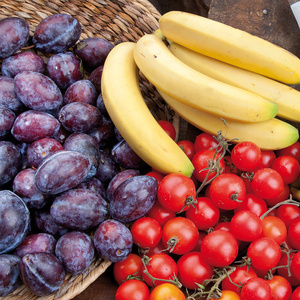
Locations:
{"points": [[116, 21]]}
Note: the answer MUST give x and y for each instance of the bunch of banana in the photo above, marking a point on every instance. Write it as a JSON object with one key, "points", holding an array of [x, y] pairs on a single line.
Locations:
{"points": [[124, 103]]}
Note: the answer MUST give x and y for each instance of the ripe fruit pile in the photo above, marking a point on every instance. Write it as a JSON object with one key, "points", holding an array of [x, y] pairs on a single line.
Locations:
{"points": [[86, 171]]}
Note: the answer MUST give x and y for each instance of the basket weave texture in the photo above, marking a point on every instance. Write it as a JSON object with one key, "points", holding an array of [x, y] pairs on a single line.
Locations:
{"points": [[116, 21]]}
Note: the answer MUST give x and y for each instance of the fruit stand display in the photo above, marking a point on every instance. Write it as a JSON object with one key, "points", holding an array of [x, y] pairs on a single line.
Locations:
{"points": [[149, 150]]}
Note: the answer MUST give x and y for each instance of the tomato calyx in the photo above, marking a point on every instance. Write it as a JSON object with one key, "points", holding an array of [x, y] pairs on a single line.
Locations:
{"points": [[172, 242]]}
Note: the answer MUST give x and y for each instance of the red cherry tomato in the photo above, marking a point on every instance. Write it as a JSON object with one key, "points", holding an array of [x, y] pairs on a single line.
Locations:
{"points": [[168, 127], [219, 248], [237, 278], [267, 158], [267, 183], [160, 266], [292, 150], [274, 228], [137, 290], [287, 167], [205, 141], [287, 213], [146, 232], [281, 289], [167, 291], [204, 213], [246, 156], [131, 265], [253, 203], [155, 174], [246, 226], [160, 214], [176, 192], [284, 270], [256, 288], [295, 265], [293, 235], [193, 269], [180, 235], [187, 147], [203, 162], [296, 294], [264, 253], [284, 195], [227, 191]]}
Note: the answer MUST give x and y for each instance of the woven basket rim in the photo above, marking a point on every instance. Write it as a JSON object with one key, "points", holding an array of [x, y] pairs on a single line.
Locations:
{"points": [[116, 21]]}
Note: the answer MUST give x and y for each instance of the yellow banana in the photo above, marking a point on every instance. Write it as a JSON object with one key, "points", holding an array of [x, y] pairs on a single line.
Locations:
{"points": [[286, 98], [231, 45], [272, 134], [195, 89], [295, 193], [124, 102]]}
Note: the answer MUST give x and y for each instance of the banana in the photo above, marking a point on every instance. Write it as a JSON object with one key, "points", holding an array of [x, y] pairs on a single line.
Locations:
{"points": [[286, 98], [126, 107], [172, 76], [272, 134], [231, 45]]}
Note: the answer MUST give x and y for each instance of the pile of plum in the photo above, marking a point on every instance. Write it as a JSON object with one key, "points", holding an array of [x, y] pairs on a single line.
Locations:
{"points": [[66, 174]]}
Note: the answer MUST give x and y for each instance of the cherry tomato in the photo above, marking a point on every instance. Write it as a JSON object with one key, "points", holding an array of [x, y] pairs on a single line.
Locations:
{"points": [[155, 174], [246, 156], [146, 232], [253, 203], [287, 167], [227, 191], [246, 226], [283, 271], [137, 290], [219, 248], [166, 291], [274, 228], [205, 141], [193, 269], [228, 295], [229, 166], [296, 294], [180, 235], [294, 234], [160, 266], [168, 127], [176, 192], [267, 183], [287, 213], [264, 253], [256, 288], [187, 147], [204, 213], [160, 214], [159, 248], [202, 235], [295, 265], [207, 164], [292, 150], [267, 158], [237, 278], [284, 195], [131, 265], [281, 289]]}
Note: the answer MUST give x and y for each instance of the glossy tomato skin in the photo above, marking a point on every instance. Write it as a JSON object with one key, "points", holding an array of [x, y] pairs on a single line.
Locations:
{"points": [[253, 203], [183, 232], [288, 167], [161, 266], [228, 295], [175, 191], [227, 191], [284, 271], [205, 141], [237, 278], [166, 291], [246, 226], [292, 150], [256, 288], [137, 290], [155, 174], [267, 158], [204, 213], [246, 156], [160, 214], [295, 265], [293, 234], [283, 195], [187, 147], [296, 294], [146, 232], [219, 248], [264, 253], [193, 269], [274, 228], [281, 289], [169, 128], [267, 183], [287, 213], [201, 161], [131, 265]]}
